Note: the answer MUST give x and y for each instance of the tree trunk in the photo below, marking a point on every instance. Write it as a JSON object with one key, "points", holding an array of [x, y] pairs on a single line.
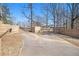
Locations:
{"points": [[72, 23]]}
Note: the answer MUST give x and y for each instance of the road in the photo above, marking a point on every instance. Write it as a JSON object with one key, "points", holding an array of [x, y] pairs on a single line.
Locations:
{"points": [[44, 45]]}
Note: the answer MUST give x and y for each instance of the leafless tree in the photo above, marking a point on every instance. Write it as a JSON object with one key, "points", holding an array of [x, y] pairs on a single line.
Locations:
{"points": [[5, 14], [46, 13], [74, 13], [30, 17]]}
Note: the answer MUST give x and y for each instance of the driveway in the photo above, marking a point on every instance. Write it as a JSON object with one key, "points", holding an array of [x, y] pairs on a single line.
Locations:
{"points": [[44, 45]]}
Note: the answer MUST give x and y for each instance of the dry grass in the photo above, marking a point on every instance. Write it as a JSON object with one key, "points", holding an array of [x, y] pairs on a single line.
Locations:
{"points": [[11, 44], [74, 41]]}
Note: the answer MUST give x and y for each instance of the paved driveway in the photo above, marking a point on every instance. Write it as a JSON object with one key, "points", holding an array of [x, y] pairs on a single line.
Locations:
{"points": [[38, 45]]}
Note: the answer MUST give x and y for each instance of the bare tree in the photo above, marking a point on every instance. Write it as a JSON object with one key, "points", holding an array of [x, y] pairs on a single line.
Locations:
{"points": [[73, 8], [30, 17], [46, 13], [53, 13], [5, 14]]}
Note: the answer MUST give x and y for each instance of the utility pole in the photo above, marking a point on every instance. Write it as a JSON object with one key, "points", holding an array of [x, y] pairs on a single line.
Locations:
{"points": [[47, 16], [31, 13]]}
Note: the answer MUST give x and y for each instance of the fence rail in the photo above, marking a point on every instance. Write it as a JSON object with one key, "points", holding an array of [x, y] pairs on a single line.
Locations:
{"points": [[9, 30]]}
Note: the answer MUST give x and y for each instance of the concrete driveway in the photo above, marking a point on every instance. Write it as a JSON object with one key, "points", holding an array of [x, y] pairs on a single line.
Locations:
{"points": [[44, 45]]}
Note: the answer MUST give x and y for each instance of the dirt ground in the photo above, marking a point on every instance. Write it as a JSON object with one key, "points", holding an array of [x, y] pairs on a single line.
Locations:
{"points": [[73, 40], [11, 44]]}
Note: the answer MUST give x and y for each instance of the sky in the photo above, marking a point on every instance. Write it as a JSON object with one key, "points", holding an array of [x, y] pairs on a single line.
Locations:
{"points": [[16, 11], [17, 8]]}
